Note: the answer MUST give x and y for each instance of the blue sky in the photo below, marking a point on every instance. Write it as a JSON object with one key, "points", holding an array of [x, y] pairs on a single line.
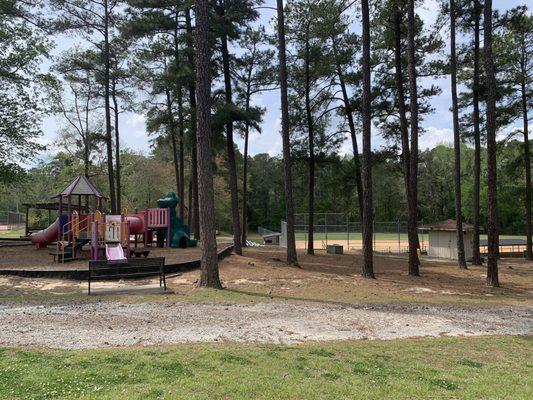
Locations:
{"points": [[437, 126]]}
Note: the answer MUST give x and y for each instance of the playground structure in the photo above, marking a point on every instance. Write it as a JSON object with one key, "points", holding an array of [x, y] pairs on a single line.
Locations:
{"points": [[109, 236]]}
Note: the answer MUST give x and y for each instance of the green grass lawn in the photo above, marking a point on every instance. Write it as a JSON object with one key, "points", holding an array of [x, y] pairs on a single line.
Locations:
{"points": [[444, 368], [14, 233]]}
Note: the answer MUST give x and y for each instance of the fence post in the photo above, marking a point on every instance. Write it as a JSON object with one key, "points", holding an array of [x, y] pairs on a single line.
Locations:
{"points": [[374, 233], [326, 226], [347, 233], [399, 242]]}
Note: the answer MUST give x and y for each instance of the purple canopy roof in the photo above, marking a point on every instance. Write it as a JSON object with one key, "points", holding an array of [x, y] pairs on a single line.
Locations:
{"points": [[81, 185]]}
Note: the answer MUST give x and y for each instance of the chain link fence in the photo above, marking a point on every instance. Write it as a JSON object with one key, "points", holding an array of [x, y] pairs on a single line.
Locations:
{"points": [[12, 220], [341, 229]]}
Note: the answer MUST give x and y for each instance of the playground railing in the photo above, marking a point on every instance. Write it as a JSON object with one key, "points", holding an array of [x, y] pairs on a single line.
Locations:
{"points": [[157, 217], [72, 231], [112, 231]]}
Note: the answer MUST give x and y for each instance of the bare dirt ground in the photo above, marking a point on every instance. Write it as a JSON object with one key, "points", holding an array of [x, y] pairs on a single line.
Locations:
{"points": [[267, 302]]}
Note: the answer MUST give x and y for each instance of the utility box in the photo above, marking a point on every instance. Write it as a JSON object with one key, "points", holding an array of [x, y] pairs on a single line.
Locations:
{"points": [[442, 237], [334, 249]]}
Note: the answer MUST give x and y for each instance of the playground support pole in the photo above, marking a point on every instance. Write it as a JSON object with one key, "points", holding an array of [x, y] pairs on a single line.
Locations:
{"points": [[145, 236], [26, 224], [128, 255], [168, 227], [69, 219], [94, 240], [59, 217]]}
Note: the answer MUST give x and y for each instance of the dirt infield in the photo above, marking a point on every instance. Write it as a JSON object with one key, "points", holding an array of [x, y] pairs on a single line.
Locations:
{"points": [[384, 246]]}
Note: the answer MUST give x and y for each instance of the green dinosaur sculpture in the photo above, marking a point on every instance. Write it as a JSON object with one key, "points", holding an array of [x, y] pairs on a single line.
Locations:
{"points": [[179, 232]]}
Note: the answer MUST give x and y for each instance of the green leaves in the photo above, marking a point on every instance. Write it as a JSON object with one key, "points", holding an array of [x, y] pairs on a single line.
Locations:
{"points": [[22, 49]]}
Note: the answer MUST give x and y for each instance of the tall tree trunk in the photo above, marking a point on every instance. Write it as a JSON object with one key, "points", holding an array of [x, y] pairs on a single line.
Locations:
{"points": [[413, 105], [245, 166], [245, 187], [230, 145], [368, 217], [351, 126], [492, 226], [178, 158], [476, 257], [192, 102], [181, 155], [190, 204], [456, 142], [311, 140], [173, 141], [86, 151], [117, 150], [404, 131], [527, 162], [87, 140], [107, 106], [209, 260], [292, 258]]}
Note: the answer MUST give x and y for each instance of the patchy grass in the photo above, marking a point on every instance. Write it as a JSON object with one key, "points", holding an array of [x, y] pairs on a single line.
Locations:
{"points": [[12, 233], [473, 368], [261, 275]]}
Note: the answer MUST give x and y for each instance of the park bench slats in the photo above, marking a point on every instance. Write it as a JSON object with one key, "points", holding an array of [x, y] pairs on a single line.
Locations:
{"points": [[133, 268]]}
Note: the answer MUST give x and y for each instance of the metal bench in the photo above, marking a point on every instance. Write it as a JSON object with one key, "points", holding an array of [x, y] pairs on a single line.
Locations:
{"points": [[133, 268]]}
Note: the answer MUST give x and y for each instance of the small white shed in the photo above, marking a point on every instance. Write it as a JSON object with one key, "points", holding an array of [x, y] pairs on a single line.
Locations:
{"points": [[443, 239]]}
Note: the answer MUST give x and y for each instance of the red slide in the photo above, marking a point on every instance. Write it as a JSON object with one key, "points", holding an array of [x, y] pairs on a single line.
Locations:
{"points": [[46, 236], [49, 235], [136, 223]]}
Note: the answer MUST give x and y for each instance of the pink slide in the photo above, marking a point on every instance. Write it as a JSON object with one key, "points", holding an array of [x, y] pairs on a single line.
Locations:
{"points": [[114, 252], [46, 236]]}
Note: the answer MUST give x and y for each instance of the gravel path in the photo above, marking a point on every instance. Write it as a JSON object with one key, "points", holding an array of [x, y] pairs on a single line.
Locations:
{"points": [[109, 324]]}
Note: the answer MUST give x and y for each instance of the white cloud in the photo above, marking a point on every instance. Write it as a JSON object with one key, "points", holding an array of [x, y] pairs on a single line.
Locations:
{"points": [[433, 136], [137, 122]]}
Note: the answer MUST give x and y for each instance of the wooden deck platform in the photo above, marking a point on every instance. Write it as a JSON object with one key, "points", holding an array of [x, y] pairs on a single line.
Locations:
{"points": [[30, 262]]}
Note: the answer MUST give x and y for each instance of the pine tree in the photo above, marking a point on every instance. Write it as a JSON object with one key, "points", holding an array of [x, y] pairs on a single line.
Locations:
{"points": [[209, 259], [87, 19], [145, 19], [413, 105], [344, 47], [368, 217], [456, 139], [513, 42], [292, 258], [311, 97], [391, 92], [73, 95], [232, 15], [492, 225], [254, 73]]}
